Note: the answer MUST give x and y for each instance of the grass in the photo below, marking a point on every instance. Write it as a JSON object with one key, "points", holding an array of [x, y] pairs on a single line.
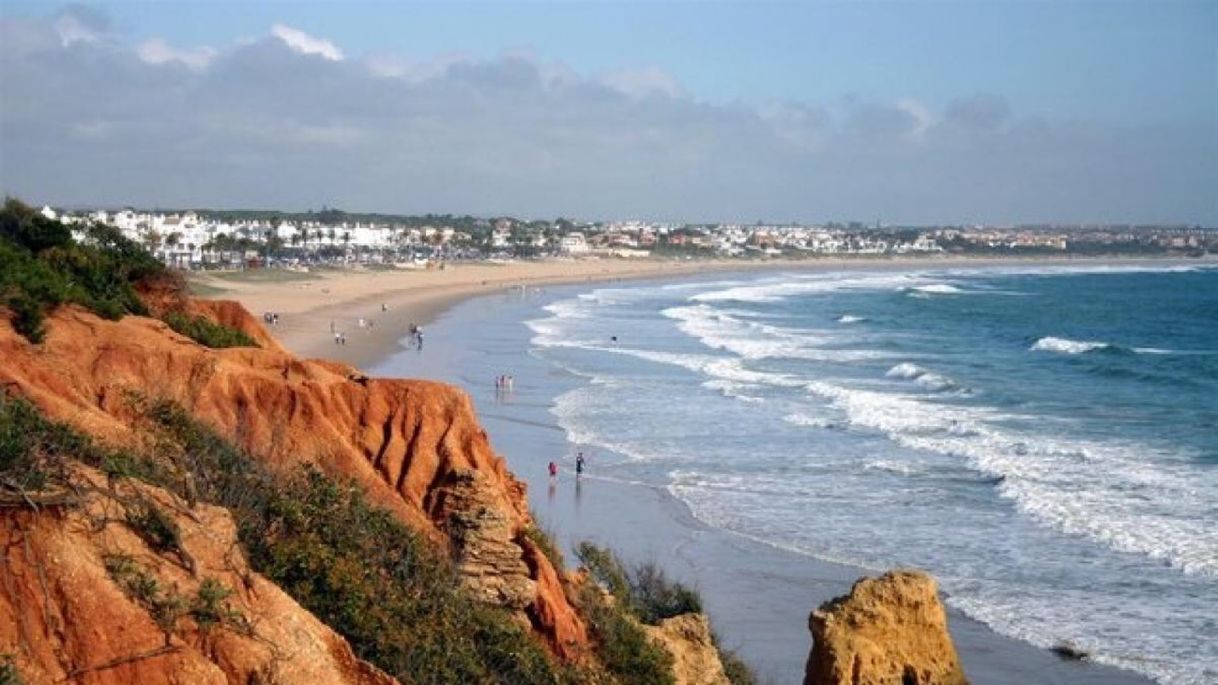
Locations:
{"points": [[207, 332]]}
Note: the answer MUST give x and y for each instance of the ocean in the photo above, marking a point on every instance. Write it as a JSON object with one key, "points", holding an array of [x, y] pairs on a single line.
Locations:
{"points": [[1044, 440]]}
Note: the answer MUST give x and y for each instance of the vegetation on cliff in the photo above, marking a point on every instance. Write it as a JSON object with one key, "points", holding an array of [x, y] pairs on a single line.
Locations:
{"points": [[207, 332], [641, 594], [43, 266], [396, 599]]}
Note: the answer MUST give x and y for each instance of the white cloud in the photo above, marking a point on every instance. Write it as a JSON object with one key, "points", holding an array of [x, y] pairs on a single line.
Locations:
{"points": [[642, 82], [305, 44], [922, 118], [157, 51], [79, 25]]}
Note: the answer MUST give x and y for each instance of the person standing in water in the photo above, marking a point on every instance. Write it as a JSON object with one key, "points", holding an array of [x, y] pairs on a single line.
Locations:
{"points": [[579, 464], [553, 471]]}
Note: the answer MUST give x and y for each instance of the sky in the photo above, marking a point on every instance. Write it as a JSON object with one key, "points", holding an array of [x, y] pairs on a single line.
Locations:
{"points": [[910, 112]]}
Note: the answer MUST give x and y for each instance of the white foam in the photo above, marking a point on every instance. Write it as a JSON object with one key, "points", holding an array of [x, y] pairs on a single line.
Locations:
{"points": [[850, 318], [898, 467], [937, 289], [1066, 346], [921, 376], [1107, 491], [717, 329], [797, 419]]}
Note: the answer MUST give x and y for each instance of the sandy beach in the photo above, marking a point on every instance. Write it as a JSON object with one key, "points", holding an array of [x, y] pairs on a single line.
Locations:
{"points": [[312, 306], [309, 302]]}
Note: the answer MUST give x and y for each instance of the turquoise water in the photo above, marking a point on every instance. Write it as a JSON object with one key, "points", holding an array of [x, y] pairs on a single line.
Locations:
{"points": [[1044, 440]]}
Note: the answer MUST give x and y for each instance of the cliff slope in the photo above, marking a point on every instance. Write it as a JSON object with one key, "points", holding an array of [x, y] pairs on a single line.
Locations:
{"points": [[415, 447], [93, 602]]}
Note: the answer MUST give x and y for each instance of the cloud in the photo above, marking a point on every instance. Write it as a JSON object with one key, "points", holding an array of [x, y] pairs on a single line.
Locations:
{"points": [[978, 111], [79, 23], [157, 51], [305, 44], [269, 124], [643, 81]]}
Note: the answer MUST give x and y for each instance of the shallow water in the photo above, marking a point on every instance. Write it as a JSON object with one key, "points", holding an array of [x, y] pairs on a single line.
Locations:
{"points": [[1044, 440]]}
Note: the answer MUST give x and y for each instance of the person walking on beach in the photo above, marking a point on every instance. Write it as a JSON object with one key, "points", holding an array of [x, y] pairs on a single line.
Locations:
{"points": [[553, 471], [579, 464]]}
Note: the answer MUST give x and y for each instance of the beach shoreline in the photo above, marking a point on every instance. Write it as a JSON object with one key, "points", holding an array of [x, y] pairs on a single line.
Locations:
{"points": [[787, 585], [313, 306], [758, 594]]}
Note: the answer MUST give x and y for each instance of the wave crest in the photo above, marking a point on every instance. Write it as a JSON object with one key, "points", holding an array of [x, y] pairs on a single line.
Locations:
{"points": [[1066, 345]]}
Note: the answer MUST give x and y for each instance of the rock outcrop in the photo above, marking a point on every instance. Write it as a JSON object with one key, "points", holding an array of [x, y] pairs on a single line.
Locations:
{"points": [[688, 639], [72, 620], [415, 447], [890, 630]]}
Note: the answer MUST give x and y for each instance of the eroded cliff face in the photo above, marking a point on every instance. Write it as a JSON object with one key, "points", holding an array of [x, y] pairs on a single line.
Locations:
{"points": [[414, 446], [86, 600], [890, 630]]}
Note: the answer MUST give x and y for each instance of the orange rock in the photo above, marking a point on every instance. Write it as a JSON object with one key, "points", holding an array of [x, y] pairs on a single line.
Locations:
{"points": [[890, 630], [403, 441], [64, 618]]}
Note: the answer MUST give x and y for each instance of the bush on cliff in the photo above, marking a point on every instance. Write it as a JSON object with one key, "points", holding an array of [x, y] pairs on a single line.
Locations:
{"points": [[395, 598], [207, 332], [42, 267], [645, 589], [648, 596]]}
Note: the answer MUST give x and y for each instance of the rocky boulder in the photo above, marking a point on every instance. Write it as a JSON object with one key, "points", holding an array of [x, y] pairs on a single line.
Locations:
{"points": [[890, 630], [688, 639]]}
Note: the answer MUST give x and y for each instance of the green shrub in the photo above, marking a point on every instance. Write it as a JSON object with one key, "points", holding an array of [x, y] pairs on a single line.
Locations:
{"points": [[32, 448], [209, 608], [41, 267], [154, 526], [207, 332], [545, 542], [606, 569], [646, 594], [388, 591], [8, 671], [645, 590], [622, 644], [654, 597], [165, 606]]}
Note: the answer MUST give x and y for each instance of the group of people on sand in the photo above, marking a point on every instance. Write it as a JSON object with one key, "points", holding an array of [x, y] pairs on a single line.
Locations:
{"points": [[580, 463], [366, 323], [270, 318]]}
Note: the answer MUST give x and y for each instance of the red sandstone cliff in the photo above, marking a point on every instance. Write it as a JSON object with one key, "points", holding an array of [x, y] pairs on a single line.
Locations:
{"points": [[71, 623], [414, 446]]}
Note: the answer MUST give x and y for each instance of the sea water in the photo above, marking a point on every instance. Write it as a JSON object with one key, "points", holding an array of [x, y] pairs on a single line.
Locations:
{"points": [[1043, 440]]}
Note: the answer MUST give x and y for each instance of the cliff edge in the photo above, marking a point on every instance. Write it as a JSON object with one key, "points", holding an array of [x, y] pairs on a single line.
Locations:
{"points": [[414, 447]]}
